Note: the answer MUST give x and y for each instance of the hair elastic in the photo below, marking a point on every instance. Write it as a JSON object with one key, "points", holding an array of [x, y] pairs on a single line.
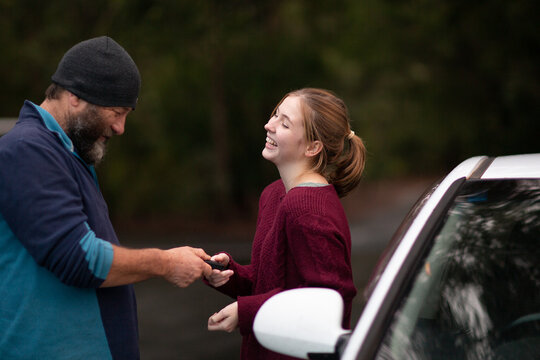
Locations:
{"points": [[351, 135]]}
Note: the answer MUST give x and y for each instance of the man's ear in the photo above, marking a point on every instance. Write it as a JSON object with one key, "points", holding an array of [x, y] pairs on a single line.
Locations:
{"points": [[314, 148], [74, 100]]}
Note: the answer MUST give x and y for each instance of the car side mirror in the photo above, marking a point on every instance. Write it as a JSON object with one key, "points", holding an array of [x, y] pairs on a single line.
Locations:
{"points": [[303, 323]]}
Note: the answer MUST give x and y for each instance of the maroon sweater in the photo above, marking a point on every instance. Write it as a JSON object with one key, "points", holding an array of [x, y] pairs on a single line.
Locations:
{"points": [[302, 240]]}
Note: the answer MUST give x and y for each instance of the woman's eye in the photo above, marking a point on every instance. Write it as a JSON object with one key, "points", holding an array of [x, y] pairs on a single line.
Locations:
{"points": [[285, 125]]}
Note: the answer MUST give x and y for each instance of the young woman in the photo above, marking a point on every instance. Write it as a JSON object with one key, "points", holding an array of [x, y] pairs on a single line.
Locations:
{"points": [[302, 237]]}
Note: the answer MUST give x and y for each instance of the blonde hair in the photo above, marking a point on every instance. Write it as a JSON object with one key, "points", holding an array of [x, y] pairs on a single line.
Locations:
{"points": [[326, 119]]}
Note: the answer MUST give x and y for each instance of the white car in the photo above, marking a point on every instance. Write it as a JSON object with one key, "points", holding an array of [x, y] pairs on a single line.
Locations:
{"points": [[459, 280]]}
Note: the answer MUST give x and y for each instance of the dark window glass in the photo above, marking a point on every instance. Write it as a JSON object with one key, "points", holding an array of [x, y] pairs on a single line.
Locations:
{"points": [[476, 295]]}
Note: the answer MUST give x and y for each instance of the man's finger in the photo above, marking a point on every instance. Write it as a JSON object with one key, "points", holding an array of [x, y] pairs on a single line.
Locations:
{"points": [[201, 253], [207, 270]]}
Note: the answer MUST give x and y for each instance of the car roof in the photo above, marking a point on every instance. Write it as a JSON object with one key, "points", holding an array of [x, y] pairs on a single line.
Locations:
{"points": [[514, 166], [525, 166]]}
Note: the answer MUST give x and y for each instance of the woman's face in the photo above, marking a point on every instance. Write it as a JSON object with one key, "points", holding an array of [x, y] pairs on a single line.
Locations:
{"points": [[285, 138]]}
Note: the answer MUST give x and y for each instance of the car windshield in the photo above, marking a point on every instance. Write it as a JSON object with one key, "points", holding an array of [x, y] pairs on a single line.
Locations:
{"points": [[476, 294]]}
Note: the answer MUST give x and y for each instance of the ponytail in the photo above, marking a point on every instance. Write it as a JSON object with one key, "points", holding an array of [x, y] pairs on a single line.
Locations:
{"points": [[349, 166]]}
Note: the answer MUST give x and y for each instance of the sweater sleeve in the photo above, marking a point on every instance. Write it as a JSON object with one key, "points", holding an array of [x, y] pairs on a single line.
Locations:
{"points": [[41, 203], [248, 306], [240, 284]]}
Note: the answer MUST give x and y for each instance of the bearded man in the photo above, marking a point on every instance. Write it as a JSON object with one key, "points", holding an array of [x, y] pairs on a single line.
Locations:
{"points": [[65, 284]]}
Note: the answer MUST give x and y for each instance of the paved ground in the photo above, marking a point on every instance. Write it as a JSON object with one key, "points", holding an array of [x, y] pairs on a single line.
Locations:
{"points": [[173, 321]]}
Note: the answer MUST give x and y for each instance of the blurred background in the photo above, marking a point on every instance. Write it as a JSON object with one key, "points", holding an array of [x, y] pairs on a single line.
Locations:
{"points": [[427, 83]]}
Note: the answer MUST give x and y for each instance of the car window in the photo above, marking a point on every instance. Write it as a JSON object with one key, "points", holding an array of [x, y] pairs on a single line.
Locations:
{"points": [[476, 294]]}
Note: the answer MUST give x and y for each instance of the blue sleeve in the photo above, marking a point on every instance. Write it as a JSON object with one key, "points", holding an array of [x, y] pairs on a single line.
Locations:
{"points": [[98, 254], [41, 202]]}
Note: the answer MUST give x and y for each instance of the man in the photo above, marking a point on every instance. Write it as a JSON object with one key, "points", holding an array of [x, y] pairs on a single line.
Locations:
{"points": [[64, 279]]}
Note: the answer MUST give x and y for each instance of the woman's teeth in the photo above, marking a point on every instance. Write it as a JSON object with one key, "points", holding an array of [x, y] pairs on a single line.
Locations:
{"points": [[270, 141]]}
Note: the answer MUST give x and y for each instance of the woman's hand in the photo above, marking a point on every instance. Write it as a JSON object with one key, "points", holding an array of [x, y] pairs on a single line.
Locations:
{"points": [[225, 320], [217, 277]]}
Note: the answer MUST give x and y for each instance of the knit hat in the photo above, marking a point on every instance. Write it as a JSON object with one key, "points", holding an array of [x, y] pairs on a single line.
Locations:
{"points": [[100, 72]]}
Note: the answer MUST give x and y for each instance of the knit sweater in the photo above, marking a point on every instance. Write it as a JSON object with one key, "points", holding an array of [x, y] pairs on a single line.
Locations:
{"points": [[302, 239]]}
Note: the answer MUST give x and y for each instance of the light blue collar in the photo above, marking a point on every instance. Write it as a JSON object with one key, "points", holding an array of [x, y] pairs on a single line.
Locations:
{"points": [[52, 125], [311, 184]]}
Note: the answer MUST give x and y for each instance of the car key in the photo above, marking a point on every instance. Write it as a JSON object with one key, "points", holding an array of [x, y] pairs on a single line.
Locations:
{"points": [[215, 265]]}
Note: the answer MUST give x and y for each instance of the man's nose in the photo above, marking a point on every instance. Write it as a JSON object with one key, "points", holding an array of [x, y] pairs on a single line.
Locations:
{"points": [[119, 125]]}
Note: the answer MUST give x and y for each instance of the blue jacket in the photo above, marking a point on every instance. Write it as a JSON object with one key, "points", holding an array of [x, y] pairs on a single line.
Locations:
{"points": [[55, 252]]}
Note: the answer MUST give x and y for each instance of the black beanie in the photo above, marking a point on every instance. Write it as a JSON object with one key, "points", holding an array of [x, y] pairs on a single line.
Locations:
{"points": [[100, 72]]}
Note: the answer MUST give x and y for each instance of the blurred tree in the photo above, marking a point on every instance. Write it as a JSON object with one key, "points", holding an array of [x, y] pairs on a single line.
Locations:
{"points": [[428, 83], [438, 81]]}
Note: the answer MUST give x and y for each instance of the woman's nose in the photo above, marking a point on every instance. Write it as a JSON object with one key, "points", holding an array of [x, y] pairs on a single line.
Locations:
{"points": [[269, 126]]}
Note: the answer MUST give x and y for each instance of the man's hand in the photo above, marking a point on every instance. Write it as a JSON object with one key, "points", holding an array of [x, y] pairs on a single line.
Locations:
{"points": [[180, 266], [185, 265]]}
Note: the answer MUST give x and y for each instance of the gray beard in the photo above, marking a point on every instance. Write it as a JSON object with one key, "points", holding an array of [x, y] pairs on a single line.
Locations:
{"points": [[84, 130]]}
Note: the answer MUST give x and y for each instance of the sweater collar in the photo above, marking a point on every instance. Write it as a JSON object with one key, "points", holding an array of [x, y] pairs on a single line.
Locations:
{"points": [[53, 126]]}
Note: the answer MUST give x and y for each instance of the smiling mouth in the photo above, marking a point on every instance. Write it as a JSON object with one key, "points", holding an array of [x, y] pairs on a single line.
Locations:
{"points": [[270, 141]]}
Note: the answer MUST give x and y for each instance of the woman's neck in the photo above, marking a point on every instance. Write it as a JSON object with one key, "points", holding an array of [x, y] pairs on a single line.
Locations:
{"points": [[293, 177]]}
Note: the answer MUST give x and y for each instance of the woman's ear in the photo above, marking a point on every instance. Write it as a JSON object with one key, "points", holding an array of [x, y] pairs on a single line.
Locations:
{"points": [[314, 148]]}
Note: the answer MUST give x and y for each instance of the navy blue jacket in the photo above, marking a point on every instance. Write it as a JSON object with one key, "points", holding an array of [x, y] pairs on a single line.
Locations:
{"points": [[55, 241]]}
